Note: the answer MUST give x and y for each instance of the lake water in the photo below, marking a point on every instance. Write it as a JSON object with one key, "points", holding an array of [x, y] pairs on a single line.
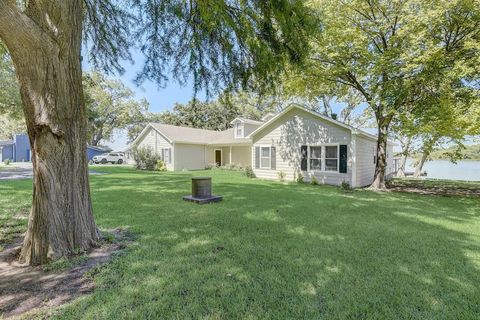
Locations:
{"points": [[444, 169]]}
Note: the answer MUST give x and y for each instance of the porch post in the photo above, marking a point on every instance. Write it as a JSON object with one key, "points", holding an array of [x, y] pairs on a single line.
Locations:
{"points": [[230, 160]]}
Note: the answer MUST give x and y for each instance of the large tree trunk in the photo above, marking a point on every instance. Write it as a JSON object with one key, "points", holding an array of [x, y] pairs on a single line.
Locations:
{"points": [[403, 160], [381, 158], [46, 55]]}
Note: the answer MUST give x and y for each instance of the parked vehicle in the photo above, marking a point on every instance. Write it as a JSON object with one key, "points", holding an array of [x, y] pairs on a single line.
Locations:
{"points": [[113, 158]]}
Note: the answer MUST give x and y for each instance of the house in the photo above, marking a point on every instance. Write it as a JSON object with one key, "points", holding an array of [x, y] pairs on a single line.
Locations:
{"points": [[16, 150], [93, 151], [295, 141]]}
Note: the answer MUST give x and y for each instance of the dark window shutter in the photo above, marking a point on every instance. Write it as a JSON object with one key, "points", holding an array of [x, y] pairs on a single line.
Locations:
{"points": [[162, 156], [303, 153], [257, 157], [273, 158], [343, 158], [169, 155]]}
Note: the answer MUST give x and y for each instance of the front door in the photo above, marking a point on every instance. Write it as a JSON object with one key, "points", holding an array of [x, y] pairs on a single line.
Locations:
{"points": [[218, 157]]}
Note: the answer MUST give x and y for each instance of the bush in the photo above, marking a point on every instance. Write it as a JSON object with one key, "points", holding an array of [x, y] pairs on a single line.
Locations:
{"points": [[161, 166], [249, 172], [300, 178], [145, 159], [314, 181], [7, 162], [281, 176], [345, 186]]}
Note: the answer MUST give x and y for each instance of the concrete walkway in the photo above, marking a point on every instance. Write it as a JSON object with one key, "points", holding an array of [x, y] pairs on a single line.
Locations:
{"points": [[23, 170]]}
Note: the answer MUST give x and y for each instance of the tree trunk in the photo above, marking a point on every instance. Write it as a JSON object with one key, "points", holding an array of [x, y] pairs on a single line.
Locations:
{"points": [[403, 159], [48, 68], [426, 151], [381, 158], [419, 166]]}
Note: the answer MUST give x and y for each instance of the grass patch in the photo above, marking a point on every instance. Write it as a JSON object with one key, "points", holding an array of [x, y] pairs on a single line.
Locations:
{"points": [[15, 202], [63, 264], [276, 251]]}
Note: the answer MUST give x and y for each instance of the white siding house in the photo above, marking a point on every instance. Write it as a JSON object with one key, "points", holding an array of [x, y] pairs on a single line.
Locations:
{"points": [[296, 142]]}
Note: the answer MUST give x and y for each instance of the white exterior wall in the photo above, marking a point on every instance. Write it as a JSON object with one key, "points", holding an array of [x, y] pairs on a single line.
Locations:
{"points": [[190, 156], [242, 156], [157, 142], [365, 169], [289, 133], [366, 150]]}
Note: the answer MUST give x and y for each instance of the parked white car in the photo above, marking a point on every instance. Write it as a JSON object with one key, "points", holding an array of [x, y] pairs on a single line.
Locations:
{"points": [[113, 158]]}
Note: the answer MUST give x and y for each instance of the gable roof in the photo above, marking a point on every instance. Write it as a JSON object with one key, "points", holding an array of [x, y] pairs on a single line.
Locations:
{"points": [[249, 121], [6, 143], [177, 134], [353, 130]]}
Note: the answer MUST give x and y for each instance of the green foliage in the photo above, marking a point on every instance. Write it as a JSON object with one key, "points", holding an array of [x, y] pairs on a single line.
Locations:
{"points": [[300, 178], [281, 175], [6, 162], [403, 58], [249, 173], [66, 263], [145, 158], [345, 186], [213, 43], [161, 166], [314, 181], [469, 152], [110, 105]]}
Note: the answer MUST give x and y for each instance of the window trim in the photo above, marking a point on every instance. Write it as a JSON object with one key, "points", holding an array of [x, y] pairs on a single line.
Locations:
{"points": [[269, 147], [323, 158], [241, 127]]}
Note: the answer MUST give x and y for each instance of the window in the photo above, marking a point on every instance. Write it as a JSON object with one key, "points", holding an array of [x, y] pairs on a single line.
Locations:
{"points": [[265, 157], [331, 158], [316, 158], [238, 129], [166, 155]]}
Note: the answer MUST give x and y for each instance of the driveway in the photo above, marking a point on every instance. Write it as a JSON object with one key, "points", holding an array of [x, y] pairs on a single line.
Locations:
{"points": [[22, 170]]}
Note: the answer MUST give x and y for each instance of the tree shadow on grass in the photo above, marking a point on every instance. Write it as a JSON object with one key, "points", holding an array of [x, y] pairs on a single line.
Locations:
{"points": [[283, 251]]}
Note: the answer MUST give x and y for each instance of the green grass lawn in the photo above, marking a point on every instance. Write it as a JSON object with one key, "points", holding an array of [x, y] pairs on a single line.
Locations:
{"points": [[277, 251]]}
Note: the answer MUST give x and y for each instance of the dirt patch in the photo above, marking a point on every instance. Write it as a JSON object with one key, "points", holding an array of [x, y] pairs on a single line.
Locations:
{"points": [[448, 192], [29, 289]]}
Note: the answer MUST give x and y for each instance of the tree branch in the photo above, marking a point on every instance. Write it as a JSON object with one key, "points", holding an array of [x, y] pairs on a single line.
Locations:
{"points": [[17, 31]]}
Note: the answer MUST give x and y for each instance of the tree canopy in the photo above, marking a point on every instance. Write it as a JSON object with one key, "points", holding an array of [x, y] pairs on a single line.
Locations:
{"points": [[396, 55], [110, 106]]}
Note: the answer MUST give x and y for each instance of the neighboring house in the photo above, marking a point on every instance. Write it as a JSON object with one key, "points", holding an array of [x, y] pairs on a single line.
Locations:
{"points": [[93, 151], [16, 150], [295, 141]]}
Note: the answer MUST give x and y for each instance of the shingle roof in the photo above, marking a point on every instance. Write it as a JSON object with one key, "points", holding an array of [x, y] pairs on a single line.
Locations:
{"points": [[197, 136], [6, 143]]}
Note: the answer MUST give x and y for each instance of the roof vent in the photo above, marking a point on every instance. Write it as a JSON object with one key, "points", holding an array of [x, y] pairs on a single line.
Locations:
{"points": [[334, 116], [268, 116]]}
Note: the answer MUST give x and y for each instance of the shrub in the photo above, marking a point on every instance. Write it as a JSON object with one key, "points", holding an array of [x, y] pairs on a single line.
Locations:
{"points": [[161, 166], [7, 162], [145, 158], [281, 176], [249, 172], [300, 177], [314, 181], [345, 186]]}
